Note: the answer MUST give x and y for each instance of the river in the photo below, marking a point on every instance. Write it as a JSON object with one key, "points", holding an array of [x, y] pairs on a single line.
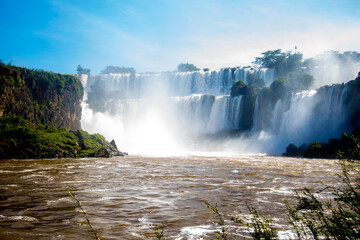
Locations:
{"points": [[126, 197]]}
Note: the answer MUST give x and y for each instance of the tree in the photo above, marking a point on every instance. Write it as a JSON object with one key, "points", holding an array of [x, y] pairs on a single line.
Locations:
{"points": [[283, 62], [81, 70], [280, 86], [115, 69], [292, 82], [187, 67]]}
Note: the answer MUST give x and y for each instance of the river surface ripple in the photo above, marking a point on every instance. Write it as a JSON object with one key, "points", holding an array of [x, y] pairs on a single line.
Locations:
{"points": [[126, 197]]}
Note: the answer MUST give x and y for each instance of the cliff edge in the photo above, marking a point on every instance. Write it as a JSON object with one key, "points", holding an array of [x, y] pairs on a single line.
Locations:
{"points": [[40, 116]]}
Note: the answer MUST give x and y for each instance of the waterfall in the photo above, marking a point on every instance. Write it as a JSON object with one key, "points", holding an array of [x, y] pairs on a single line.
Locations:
{"points": [[154, 112], [311, 115], [217, 82], [256, 115]]}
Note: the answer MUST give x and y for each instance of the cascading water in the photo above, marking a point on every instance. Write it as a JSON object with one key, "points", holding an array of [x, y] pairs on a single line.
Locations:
{"points": [[310, 115], [166, 113]]}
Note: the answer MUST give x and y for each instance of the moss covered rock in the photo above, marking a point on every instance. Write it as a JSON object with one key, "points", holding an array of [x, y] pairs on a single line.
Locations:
{"points": [[239, 88], [20, 138]]}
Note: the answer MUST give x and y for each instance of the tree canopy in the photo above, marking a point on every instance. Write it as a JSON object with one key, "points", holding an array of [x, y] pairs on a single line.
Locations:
{"points": [[81, 70], [187, 67], [282, 62], [115, 69], [293, 82]]}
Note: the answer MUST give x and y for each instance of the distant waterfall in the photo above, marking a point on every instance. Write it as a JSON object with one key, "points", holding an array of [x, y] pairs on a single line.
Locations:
{"points": [[161, 110], [217, 82], [256, 115], [311, 115]]}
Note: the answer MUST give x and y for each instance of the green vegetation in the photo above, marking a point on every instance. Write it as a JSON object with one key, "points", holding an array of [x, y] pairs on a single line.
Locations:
{"points": [[338, 218], [81, 70], [116, 69], [331, 213], [20, 138], [283, 62], [187, 67], [159, 231], [40, 96], [288, 69], [290, 79], [294, 82], [293, 151], [330, 149], [259, 227], [312, 217], [239, 88], [40, 117], [38, 80]]}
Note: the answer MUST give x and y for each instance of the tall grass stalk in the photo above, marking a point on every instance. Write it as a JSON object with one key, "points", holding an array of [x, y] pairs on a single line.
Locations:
{"points": [[84, 213]]}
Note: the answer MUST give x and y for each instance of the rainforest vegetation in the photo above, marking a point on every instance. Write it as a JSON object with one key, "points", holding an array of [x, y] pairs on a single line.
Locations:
{"points": [[40, 116]]}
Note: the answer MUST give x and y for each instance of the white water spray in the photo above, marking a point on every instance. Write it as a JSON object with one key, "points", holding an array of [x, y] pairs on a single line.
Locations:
{"points": [[173, 113]]}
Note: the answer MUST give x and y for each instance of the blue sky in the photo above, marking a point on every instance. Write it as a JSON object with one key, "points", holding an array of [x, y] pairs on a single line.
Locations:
{"points": [[156, 35]]}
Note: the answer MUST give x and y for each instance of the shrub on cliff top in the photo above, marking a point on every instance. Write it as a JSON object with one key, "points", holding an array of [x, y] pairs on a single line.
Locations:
{"points": [[187, 67]]}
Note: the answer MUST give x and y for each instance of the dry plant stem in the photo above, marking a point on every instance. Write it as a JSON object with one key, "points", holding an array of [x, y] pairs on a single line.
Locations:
{"points": [[84, 213]]}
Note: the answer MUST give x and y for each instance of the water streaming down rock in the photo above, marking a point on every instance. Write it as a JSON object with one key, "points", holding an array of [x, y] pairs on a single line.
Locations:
{"points": [[314, 115], [218, 82], [195, 103]]}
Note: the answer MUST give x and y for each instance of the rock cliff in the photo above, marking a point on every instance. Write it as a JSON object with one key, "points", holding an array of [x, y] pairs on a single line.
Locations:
{"points": [[48, 98], [40, 116]]}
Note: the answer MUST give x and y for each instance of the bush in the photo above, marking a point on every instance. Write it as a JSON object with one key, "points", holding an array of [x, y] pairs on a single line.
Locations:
{"points": [[280, 87], [116, 69], [239, 88], [335, 219], [81, 70], [292, 151], [187, 67]]}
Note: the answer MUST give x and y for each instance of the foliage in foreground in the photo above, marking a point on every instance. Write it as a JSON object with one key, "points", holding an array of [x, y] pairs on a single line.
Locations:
{"points": [[312, 217], [259, 227]]}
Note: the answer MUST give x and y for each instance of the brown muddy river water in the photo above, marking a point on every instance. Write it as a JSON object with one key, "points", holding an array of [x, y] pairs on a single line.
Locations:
{"points": [[126, 197]]}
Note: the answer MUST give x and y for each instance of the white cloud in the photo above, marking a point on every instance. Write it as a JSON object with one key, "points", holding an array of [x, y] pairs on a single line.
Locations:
{"points": [[213, 35], [242, 50]]}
